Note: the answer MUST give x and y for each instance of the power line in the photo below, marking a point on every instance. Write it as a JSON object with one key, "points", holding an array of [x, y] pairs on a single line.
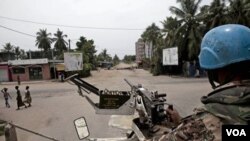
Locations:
{"points": [[70, 26], [112, 50], [17, 31]]}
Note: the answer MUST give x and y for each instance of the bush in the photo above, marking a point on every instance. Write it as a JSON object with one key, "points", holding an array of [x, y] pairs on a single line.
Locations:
{"points": [[85, 72]]}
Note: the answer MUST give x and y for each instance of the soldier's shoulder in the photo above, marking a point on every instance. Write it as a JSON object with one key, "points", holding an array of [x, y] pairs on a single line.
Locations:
{"points": [[199, 126]]}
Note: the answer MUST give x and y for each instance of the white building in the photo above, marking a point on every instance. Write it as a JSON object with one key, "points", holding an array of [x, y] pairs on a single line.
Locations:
{"points": [[139, 51], [148, 50]]}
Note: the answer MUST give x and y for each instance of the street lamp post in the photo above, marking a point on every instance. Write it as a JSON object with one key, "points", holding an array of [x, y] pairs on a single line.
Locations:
{"points": [[52, 50]]}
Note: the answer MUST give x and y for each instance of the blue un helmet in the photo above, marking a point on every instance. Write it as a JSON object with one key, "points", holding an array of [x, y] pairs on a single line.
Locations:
{"points": [[223, 46]]}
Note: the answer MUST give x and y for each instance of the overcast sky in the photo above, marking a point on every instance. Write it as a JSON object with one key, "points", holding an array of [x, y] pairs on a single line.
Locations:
{"points": [[125, 14]]}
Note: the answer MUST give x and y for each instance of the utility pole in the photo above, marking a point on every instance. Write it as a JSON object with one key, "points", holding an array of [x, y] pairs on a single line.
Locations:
{"points": [[69, 46], [29, 54], [53, 63]]}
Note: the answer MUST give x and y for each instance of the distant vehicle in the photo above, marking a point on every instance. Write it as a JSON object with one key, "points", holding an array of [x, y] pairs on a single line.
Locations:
{"points": [[105, 64]]}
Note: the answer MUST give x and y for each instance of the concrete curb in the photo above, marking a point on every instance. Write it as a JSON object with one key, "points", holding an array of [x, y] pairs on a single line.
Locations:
{"points": [[29, 82]]}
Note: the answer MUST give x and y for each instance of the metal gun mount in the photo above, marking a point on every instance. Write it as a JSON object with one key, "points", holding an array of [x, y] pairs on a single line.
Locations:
{"points": [[110, 102], [151, 104], [122, 102]]}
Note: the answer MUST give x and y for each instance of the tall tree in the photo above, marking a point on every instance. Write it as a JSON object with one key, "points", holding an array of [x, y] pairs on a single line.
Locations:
{"points": [[129, 58], [88, 50], [104, 56], [8, 48], [80, 43], [60, 43], [239, 12], [116, 60], [44, 41], [214, 14], [170, 26], [23, 54], [189, 29], [17, 52], [151, 34]]}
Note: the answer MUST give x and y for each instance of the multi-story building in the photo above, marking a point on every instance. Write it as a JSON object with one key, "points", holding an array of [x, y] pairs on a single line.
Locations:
{"points": [[143, 50], [148, 50], [140, 51]]}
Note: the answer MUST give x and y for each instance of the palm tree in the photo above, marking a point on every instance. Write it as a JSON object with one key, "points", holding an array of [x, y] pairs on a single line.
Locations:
{"points": [[190, 28], [17, 52], [8, 48], [60, 43], [43, 41], [116, 60], [104, 56], [239, 12], [151, 34], [170, 26], [215, 14], [80, 43], [22, 54]]}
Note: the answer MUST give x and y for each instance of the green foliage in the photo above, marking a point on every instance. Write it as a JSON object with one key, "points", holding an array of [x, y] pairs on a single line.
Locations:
{"points": [[189, 41], [104, 56], [151, 34], [60, 44], [129, 58], [17, 51], [146, 63], [85, 70], [116, 60], [189, 24], [8, 47], [87, 48], [156, 63], [44, 41]]}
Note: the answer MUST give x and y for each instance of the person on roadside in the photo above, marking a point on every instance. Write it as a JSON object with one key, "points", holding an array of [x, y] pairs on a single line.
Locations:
{"points": [[6, 96], [225, 56], [18, 80], [19, 99], [27, 98], [62, 77]]}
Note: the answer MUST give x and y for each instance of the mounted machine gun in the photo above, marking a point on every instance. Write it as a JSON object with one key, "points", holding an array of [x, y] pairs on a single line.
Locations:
{"points": [[149, 105]]}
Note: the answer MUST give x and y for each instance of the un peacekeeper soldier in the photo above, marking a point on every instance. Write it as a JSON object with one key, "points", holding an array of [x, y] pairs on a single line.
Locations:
{"points": [[225, 54]]}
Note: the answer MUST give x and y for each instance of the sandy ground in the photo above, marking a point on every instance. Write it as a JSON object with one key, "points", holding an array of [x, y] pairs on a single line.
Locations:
{"points": [[56, 105]]}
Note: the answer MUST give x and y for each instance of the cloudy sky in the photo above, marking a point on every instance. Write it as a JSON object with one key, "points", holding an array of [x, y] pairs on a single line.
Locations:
{"points": [[93, 19]]}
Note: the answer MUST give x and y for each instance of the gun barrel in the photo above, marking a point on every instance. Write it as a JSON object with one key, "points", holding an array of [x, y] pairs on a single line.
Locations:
{"points": [[128, 83]]}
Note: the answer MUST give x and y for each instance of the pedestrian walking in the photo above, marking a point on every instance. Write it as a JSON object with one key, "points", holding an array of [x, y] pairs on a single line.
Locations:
{"points": [[6, 96], [27, 98], [19, 99], [62, 77], [18, 80]]}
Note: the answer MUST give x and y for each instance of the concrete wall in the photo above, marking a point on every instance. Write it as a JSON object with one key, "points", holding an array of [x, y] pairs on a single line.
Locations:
{"points": [[46, 72], [25, 76], [4, 73]]}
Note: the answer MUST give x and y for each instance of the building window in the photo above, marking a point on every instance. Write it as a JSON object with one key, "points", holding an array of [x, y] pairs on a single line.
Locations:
{"points": [[35, 73], [18, 70]]}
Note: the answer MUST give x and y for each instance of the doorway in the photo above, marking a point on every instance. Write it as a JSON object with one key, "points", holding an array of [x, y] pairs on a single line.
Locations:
{"points": [[35, 73]]}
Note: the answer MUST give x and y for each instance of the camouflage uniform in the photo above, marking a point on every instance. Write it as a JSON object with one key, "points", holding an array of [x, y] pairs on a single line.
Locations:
{"points": [[229, 105]]}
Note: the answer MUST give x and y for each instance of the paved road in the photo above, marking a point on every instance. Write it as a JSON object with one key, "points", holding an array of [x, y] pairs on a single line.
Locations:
{"points": [[56, 105]]}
